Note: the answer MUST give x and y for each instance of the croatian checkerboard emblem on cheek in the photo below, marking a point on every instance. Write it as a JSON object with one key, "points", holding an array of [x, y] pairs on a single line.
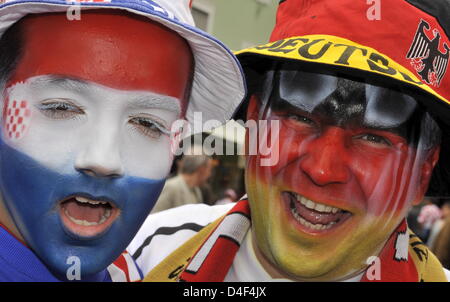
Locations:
{"points": [[17, 112], [16, 118]]}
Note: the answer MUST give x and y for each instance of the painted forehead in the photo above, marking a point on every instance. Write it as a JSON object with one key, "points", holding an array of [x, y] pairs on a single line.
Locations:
{"points": [[342, 101], [112, 49]]}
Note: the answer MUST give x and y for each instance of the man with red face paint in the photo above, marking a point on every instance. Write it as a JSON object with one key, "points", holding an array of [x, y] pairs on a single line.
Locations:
{"points": [[355, 134], [88, 127]]}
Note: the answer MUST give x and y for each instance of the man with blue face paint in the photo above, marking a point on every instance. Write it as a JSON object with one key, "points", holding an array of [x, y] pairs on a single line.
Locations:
{"points": [[89, 108]]}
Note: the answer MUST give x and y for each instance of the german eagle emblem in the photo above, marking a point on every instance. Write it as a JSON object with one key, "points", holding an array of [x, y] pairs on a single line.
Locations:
{"points": [[426, 57]]}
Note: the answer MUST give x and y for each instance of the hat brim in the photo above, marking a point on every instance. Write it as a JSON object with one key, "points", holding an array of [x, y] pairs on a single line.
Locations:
{"points": [[218, 84], [363, 62]]}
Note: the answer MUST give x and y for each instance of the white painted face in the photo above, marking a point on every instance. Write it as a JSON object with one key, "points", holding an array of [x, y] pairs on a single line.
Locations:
{"points": [[66, 123]]}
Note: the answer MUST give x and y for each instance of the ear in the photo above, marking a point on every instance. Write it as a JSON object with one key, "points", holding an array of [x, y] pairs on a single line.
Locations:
{"points": [[427, 170]]}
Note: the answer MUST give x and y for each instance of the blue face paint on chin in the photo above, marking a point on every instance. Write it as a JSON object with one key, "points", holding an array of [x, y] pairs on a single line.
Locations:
{"points": [[32, 192]]}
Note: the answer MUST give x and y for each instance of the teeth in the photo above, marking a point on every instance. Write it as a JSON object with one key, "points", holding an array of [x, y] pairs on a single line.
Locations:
{"points": [[310, 204], [316, 206], [320, 207], [107, 214], [86, 200], [81, 199]]}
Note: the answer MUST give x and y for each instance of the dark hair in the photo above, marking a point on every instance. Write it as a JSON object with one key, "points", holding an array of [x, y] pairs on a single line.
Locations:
{"points": [[11, 49]]}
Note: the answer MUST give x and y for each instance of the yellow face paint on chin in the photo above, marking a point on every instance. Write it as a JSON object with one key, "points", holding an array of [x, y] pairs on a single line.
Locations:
{"points": [[338, 254]]}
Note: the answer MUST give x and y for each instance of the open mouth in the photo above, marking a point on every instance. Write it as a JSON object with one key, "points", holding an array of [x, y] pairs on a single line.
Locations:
{"points": [[87, 217], [313, 216]]}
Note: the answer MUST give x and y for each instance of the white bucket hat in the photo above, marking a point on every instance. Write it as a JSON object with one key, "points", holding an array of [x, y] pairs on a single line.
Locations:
{"points": [[218, 84]]}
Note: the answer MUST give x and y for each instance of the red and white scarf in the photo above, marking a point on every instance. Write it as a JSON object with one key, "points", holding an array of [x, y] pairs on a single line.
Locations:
{"points": [[404, 257]]}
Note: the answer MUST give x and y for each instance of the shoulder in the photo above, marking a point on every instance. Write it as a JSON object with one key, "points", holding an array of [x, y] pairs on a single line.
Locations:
{"points": [[174, 181], [165, 231]]}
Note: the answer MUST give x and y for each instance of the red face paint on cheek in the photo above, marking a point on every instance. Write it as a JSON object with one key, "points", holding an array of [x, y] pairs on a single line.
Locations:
{"points": [[16, 118], [331, 167]]}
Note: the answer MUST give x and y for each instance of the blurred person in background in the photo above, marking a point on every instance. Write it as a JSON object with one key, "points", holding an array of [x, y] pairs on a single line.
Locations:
{"points": [[413, 224], [437, 226], [429, 214], [194, 172], [229, 196], [441, 245]]}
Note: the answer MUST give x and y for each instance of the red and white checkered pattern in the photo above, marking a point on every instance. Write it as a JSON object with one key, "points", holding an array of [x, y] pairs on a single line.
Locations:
{"points": [[16, 118]]}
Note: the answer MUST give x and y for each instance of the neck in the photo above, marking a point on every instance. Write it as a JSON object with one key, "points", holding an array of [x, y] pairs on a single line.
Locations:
{"points": [[190, 180]]}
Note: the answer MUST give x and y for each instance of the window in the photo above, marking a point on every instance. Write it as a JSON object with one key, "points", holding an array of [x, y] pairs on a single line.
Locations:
{"points": [[203, 16]]}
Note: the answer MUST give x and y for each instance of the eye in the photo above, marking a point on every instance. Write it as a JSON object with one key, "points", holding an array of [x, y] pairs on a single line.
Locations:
{"points": [[149, 127], [376, 140], [300, 118], [60, 109], [299, 121]]}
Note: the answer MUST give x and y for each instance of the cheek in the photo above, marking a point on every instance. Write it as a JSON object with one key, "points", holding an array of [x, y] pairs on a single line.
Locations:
{"points": [[385, 180], [16, 118], [273, 151], [151, 159]]}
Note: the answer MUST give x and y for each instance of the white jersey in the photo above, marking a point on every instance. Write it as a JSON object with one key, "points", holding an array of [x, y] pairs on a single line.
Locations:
{"points": [[163, 232]]}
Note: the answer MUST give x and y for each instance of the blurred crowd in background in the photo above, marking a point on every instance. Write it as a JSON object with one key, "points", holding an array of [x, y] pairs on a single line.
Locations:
{"points": [[430, 220], [200, 179], [201, 175]]}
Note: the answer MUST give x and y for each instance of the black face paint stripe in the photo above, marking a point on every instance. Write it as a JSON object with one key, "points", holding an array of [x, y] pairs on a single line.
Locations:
{"points": [[346, 106], [166, 231]]}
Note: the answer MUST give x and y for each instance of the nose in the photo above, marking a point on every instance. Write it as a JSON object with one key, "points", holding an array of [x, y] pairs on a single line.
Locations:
{"points": [[325, 159], [100, 154]]}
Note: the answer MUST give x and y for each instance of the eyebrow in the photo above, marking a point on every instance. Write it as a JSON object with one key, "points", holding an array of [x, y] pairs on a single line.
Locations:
{"points": [[155, 101], [65, 82], [138, 100]]}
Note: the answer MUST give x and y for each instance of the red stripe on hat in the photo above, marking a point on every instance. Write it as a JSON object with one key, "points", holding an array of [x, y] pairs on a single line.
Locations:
{"points": [[392, 35]]}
